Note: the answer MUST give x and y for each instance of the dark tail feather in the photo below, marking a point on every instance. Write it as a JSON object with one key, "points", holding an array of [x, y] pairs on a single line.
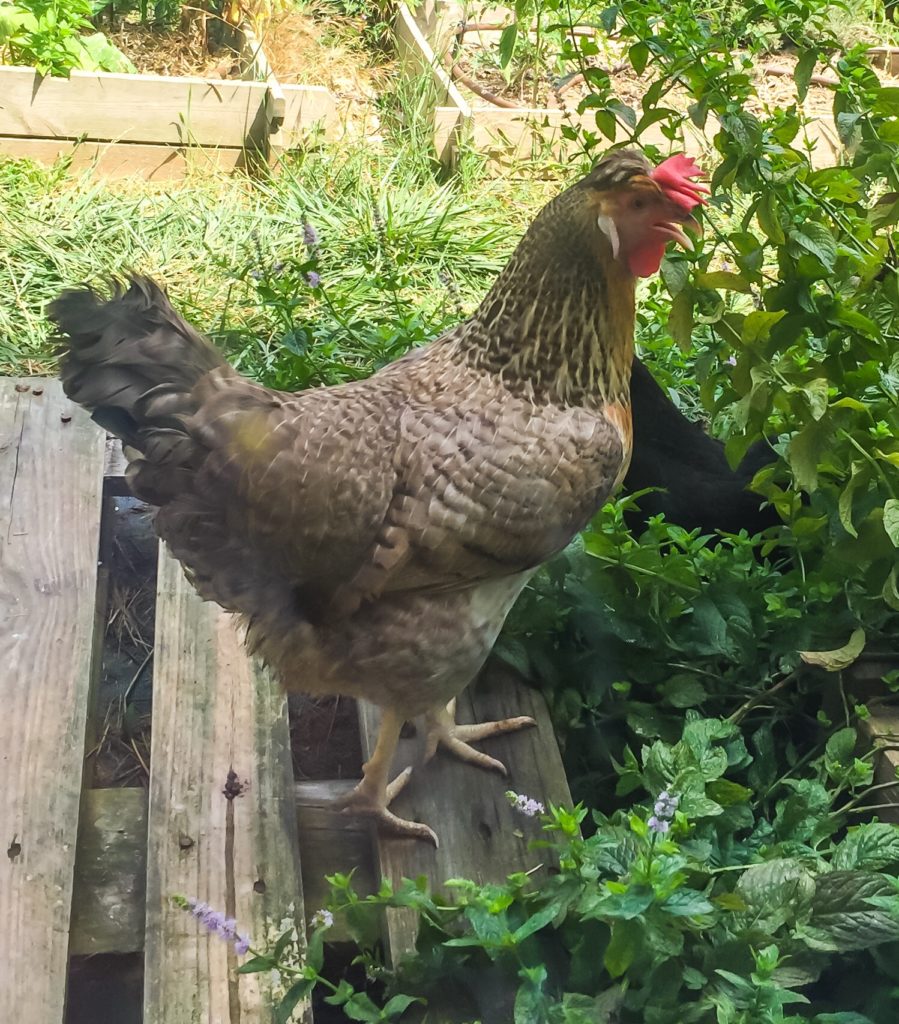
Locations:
{"points": [[130, 359]]}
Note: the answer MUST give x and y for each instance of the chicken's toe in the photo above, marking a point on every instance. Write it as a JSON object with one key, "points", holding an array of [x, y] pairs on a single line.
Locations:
{"points": [[365, 800], [444, 732]]}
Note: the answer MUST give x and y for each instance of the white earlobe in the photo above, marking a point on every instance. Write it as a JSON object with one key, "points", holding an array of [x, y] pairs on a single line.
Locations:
{"points": [[608, 227]]}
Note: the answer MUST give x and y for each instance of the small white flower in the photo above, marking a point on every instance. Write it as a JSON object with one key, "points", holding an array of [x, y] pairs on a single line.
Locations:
{"points": [[322, 919]]}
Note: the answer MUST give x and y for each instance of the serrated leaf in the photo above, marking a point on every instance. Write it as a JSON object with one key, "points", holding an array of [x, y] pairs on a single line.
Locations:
{"points": [[891, 520], [687, 903], [775, 887], [874, 846], [842, 918], [841, 657]]}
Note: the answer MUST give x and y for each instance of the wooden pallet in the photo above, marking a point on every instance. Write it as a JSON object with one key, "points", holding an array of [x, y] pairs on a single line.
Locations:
{"points": [[91, 871]]}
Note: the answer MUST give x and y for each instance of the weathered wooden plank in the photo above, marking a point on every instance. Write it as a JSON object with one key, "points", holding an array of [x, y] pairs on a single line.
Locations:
{"points": [[51, 467], [331, 842], [109, 902], [481, 836], [110, 873], [882, 730], [132, 108], [222, 821], [125, 160]]}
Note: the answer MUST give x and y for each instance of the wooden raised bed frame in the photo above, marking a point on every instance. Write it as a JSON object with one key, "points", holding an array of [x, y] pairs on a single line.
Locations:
{"points": [[159, 127]]}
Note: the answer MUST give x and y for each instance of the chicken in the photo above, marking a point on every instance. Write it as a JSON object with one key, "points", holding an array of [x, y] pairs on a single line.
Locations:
{"points": [[375, 535], [698, 487]]}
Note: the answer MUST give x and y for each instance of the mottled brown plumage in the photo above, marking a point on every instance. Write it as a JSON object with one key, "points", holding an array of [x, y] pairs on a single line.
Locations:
{"points": [[375, 535]]}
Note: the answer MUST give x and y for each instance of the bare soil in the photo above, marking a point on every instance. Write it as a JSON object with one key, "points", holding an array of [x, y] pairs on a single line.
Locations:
{"points": [[305, 48], [174, 52], [772, 89]]}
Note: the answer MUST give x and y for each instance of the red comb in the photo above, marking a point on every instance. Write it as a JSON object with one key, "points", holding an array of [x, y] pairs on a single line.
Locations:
{"points": [[674, 176]]}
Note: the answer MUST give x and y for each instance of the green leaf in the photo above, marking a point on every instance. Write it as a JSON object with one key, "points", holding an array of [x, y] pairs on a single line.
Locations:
{"points": [[687, 903], [805, 451], [860, 472], [767, 215], [724, 279], [626, 943], [890, 592], [816, 395], [728, 793], [291, 1000], [841, 657], [840, 748], [535, 922], [638, 55], [778, 888], [397, 1005], [874, 845], [802, 75], [257, 964], [842, 918], [891, 520], [507, 40], [816, 239], [680, 319], [886, 101], [360, 1007], [757, 326]]}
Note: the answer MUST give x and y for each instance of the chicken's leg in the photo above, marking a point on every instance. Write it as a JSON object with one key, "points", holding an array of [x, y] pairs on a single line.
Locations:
{"points": [[373, 794], [443, 731]]}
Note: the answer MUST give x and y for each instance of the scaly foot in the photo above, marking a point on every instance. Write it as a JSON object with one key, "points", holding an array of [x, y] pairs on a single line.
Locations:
{"points": [[443, 731], [374, 793], [365, 799]]}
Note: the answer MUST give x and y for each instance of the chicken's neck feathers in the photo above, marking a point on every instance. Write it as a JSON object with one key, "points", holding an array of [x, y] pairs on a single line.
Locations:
{"points": [[558, 322]]}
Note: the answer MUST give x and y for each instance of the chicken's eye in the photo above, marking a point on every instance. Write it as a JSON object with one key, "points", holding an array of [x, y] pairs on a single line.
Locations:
{"points": [[638, 203]]}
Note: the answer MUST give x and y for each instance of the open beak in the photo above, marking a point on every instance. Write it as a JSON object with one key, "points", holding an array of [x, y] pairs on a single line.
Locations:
{"points": [[673, 229]]}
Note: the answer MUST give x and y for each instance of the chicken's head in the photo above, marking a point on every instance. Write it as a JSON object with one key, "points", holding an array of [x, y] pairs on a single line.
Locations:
{"points": [[639, 209]]}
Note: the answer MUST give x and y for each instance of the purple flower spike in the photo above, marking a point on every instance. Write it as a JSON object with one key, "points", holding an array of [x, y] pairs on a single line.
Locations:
{"points": [[313, 279], [658, 825], [310, 236], [215, 922], [530, 808]]}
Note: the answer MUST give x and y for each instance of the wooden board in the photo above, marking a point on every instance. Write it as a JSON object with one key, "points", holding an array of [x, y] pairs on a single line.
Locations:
{"points": [[882, 732], [110, 873], [125, 160], [331, 842], [222, 821], [305, 108], [132, 108], [481, 836], [51, 481]]}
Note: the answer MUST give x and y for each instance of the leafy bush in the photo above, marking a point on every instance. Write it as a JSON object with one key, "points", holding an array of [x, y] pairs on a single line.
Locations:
{"points": [[49, 35]]}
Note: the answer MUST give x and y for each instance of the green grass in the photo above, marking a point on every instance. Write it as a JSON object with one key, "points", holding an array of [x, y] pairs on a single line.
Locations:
{"points": [[208, 238]]}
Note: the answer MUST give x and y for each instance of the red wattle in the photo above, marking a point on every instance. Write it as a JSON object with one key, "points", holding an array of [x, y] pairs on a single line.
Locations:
{"points": [[645, 261]]}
